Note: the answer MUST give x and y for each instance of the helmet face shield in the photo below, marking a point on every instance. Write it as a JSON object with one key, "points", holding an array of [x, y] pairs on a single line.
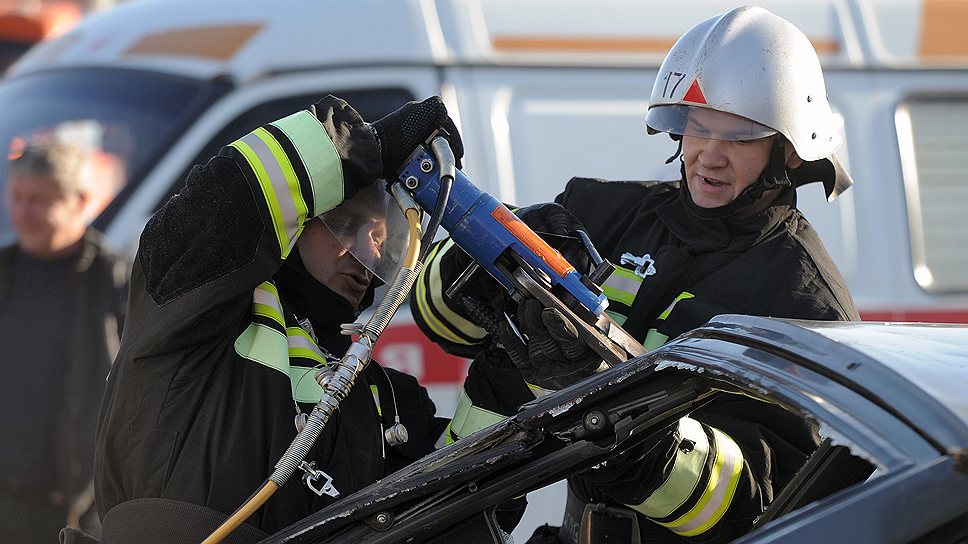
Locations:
{"points": [[371, 227], [703, 122]]}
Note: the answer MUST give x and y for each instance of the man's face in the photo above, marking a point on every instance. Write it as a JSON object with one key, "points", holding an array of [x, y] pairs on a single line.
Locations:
{"points": [[333, 265], [717, 171], [46, 220]]}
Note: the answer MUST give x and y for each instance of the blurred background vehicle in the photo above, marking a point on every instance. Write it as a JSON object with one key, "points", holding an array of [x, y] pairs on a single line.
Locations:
{"points": [[541, 90], [25, 23]]}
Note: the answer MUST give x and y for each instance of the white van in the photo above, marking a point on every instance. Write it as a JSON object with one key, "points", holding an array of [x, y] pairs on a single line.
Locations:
{"points": [[542, 90]]}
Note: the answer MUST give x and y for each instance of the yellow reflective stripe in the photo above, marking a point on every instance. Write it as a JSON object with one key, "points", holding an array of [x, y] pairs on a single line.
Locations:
{"points": [[617, 317], [275, 188], [539, 391], [375, 391], [436, 300], [264, 345], [446, 438], [469, 418], [265, 302], [685, 475], [301, 345], [654, 339], [719, 491], [318, 156], [682, 296], [622, 285], [271, 348], [256, 166], [286, 186], [305, 388]]}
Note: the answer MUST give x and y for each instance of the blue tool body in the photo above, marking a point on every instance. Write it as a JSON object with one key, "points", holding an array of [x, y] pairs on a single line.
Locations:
{"points": [[482, 226]]}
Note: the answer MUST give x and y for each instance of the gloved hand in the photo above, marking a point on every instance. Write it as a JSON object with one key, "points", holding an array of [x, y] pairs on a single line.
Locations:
{"points": [[354, 143], [554, 356], [400, 132]]}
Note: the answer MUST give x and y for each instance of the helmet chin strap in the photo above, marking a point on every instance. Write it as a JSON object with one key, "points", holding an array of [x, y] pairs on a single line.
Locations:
{"points": [[678, 153], [774, 176]]}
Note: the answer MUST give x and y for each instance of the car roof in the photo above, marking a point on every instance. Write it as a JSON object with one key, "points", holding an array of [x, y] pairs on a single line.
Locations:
{"points": [[917, 371]]}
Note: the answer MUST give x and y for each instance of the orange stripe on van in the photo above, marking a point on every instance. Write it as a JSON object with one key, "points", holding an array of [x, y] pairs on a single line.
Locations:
{"points": [[214, 42], [943, 27], [582, 45], [825, 46], [610, 45]]}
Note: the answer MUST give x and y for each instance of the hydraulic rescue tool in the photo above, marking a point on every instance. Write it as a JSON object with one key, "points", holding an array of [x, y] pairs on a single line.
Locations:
{"points": [[513, 254], [500, 244]]}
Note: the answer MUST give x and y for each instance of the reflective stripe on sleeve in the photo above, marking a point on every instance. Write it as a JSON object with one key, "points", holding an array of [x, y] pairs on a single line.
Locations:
{"points": [[430, 303], [685, 475], [278, 182], [318, 155], [277, 176], [721, 479]]}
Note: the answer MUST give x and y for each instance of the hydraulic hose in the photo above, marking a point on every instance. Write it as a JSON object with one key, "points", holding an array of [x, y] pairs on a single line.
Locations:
{"points": [[243, 512], [448, 168], [339, 384]]}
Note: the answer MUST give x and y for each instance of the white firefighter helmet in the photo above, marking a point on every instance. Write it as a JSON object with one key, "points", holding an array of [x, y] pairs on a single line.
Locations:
{"points": [[752, 64]]}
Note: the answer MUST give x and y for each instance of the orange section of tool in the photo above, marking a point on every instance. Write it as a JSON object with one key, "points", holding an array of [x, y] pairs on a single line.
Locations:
{"points": [[532, 241]]}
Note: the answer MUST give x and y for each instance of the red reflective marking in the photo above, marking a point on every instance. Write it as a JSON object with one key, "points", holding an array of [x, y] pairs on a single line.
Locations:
{"points": [[404, 348], [694, 94]]}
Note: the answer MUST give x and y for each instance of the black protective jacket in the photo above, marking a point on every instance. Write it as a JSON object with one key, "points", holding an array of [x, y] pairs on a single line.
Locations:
{"points": [[678, 266], [214, 364]]}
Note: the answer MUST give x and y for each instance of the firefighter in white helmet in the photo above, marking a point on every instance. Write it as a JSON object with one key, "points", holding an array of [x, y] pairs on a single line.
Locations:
{"points": [[743, 96]]}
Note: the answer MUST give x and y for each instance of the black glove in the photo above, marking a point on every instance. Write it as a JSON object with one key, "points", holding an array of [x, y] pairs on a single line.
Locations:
{"points": [[400, 132], [554, 356], [357, 148]]}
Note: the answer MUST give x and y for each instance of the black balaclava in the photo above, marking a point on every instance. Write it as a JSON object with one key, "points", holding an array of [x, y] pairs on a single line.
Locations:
{"points": [[305, 296]]}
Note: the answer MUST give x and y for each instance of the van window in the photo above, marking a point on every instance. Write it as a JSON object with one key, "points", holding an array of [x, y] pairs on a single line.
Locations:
{"points": [[121, 120], [932, 131]]}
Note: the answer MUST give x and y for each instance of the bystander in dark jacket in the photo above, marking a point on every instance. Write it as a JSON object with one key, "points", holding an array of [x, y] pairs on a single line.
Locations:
{"points": [[62, 297]]}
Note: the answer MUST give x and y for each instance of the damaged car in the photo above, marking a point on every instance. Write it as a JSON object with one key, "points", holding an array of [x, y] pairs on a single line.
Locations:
{"points": [[890, 401]]}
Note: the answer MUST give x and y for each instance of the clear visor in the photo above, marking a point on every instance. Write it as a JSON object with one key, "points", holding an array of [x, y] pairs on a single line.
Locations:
{"points": [[372, 228], [704, 123]]}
